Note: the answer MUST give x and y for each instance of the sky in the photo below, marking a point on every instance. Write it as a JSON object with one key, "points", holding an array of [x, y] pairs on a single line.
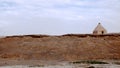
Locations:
{"points": [[57, 17]]}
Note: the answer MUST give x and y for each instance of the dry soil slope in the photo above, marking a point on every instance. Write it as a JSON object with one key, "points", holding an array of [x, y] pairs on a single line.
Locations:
{"points": [[67, 47]]}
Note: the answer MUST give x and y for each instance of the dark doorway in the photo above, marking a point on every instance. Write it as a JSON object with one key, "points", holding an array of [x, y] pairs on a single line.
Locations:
{"points": [[102, 32]]}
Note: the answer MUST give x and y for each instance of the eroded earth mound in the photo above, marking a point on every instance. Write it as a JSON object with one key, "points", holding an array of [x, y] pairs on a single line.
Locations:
{"points": [[65, 47]]}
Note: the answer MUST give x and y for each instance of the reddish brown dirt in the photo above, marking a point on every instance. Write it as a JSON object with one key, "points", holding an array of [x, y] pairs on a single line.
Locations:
{"points": [[66, 47]]}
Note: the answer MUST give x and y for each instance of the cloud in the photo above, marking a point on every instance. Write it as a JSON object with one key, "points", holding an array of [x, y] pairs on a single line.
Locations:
{"points": [[17, 13]]}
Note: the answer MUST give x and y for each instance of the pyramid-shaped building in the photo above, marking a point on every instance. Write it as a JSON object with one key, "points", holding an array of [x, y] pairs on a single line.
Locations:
{"points": [[99, 29]]}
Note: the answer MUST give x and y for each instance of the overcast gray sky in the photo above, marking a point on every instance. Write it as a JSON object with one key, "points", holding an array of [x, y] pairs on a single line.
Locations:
{"points": [[56, 17]]}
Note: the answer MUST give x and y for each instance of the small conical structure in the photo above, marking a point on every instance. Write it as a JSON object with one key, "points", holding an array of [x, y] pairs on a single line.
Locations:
{"points": [[99, 29]]}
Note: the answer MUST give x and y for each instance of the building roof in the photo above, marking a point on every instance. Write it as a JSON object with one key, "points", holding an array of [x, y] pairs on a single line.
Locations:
{"points": [[99, 28]]}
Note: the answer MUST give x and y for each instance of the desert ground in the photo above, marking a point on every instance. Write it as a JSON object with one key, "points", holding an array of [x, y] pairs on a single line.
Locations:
{"points": [[56, 64], [44, 51], [49, 64]]}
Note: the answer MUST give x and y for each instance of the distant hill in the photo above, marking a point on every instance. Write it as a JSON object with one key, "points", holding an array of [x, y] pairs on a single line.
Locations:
{"points": [[66, 47]]}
